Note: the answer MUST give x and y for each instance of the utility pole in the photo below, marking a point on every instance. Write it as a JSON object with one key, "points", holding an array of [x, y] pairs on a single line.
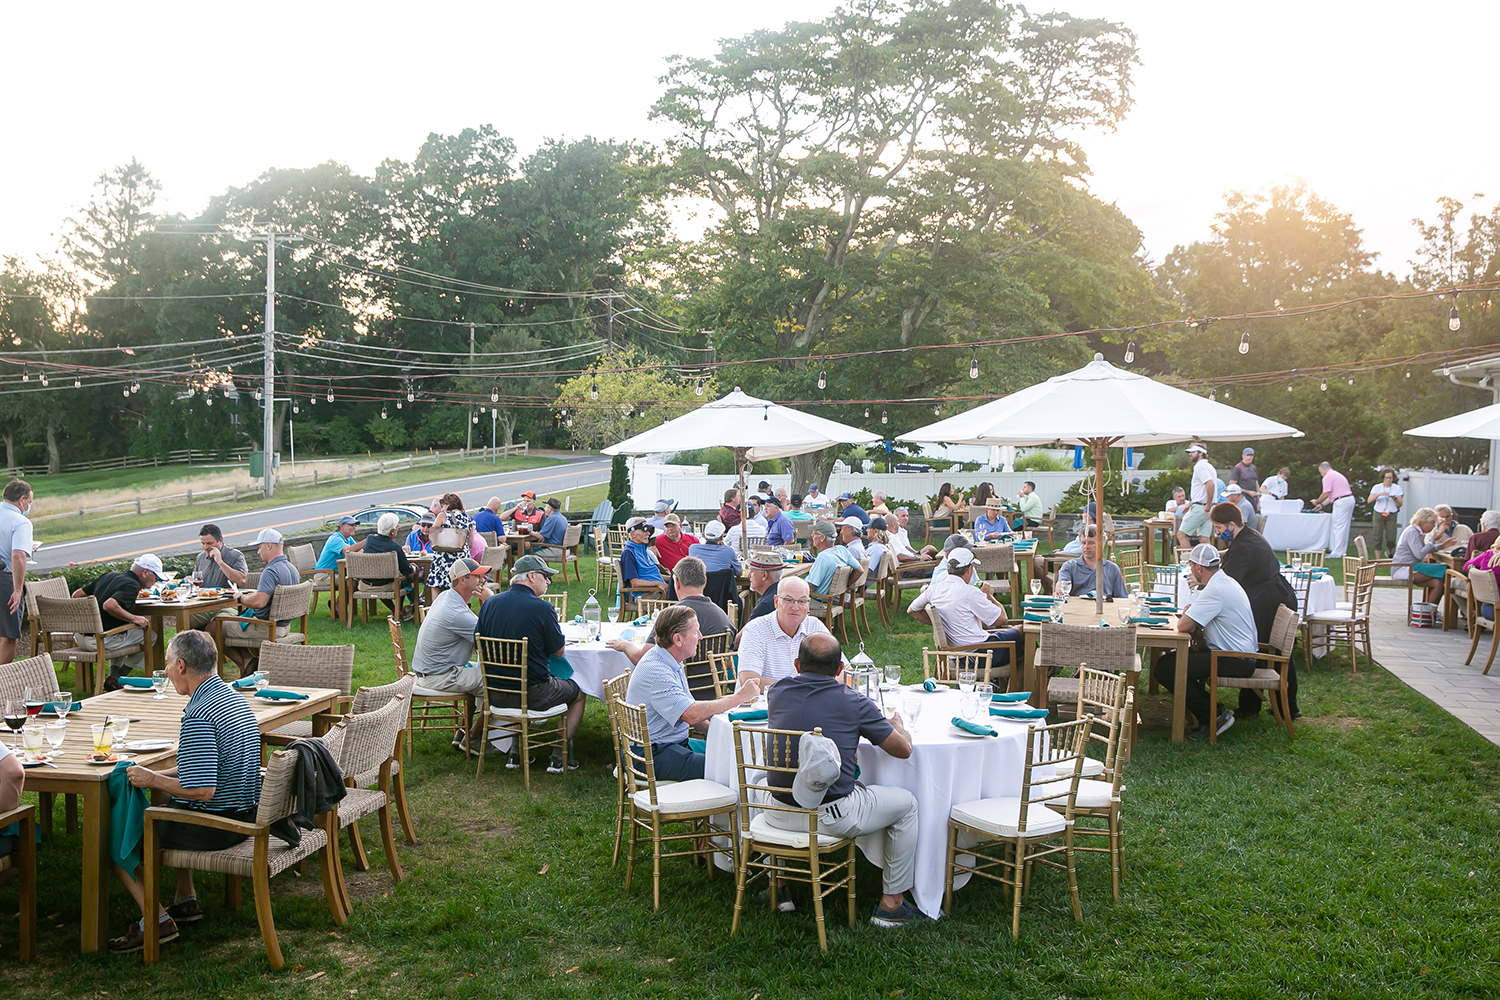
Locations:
{"points": [[267, 427], [469, 432]]}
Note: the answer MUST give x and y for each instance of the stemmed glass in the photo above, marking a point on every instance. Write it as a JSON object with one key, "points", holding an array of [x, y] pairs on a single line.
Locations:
{"points": [[614, 614], [966, 678], [983, 691], [15, 715], [968, 706], [121, 724], [33, 703], [1036, 587], [64, 705], [56, 732], [912, 706], [1064, 588], [159, 685], [892, 674]]}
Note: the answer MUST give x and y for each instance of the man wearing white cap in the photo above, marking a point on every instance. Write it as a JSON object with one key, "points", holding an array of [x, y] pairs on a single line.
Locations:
{"points": [[969, 614], [279, 571], [116, 593], [850, 530], [1233, 494], [1201, 496], [712, 550], [1219, 617]]}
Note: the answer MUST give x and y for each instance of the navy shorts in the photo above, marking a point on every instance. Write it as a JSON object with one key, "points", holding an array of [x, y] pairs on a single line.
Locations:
{"points": [[10, 623]]}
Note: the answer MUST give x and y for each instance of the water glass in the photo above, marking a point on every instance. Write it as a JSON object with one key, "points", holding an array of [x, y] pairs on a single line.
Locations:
{"points": [[1036, 587], [104, 738], [31, 741], [983, 690], [892, 674], [159, 685], [64, 704], [1056, 613], [614, 614], [122, 726], [968, 707], [1064, 588], [55, 732], [966, 678], [1126, 613], [262, 680], [912, 706]]}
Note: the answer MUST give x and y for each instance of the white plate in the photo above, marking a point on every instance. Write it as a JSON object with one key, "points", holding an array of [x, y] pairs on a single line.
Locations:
{"points": [[965, 734], [108, 763], [137, 690], [919, 689], [43, 759], [143, 745]]}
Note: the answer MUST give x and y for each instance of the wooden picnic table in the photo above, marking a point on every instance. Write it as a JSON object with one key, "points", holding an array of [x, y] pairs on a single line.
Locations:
{"points": [[181, 613], [1154, 640], [152, 719]]}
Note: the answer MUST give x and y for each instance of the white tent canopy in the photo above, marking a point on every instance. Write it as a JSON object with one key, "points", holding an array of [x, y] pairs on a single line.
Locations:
{"points": [[1483, 423], [755, 429], [1100, 401]]}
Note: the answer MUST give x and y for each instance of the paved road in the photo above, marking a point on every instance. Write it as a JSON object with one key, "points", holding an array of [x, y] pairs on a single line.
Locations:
{"points": [[240, 529]]}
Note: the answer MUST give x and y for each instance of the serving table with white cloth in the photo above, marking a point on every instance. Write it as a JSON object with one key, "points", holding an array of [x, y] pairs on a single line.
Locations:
{"points": [[942, 771], [1271, 505], [1305, 532]]}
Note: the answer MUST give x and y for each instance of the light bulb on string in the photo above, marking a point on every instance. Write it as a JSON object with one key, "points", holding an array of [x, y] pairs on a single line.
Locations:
{"points": [[398, 402], [883, 417], [568, 423], [312, 400], [593, 390], [330, 392], [1351, 379], [494, 392], [15, 340], [698, 387], [411, 395], [474, 418], [1226, 394], [1408, 373], [259, 395], [1213, 394], [973, 365], [1245, 342], [208, 400], [382, 411], [823, 379], [295, 407], [1323, 385], [1130, 353], [77, 382], [867, 413], [42, 378], [135, 387], [937, 411], [25, 374], [1453, 321], [125, 392]]}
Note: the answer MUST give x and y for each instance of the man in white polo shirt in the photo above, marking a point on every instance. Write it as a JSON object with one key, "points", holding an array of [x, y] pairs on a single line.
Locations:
{"points": [[769, 647], [16, 547], [970, 615]]}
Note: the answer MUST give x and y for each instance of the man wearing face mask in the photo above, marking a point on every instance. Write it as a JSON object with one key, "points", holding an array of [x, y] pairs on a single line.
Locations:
{"points": [[1250, 561]]}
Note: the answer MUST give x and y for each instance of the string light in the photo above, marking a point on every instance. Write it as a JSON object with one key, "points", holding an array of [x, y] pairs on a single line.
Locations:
{"points": [[973, 364], [937, 411], [1408, 373], [135, 387], [867, 413], [398, 402], [883, 417], [1245, 341], [1226, 394], [822, 379], [16, 340], [330, 390], [125, 392], [411, 393], [382, 411], [593, 390], [295, 407], [258, 394], [494, 392], [42, 378], [312, 400], [208, 399], [25, 373], [698, 387], [1213, 394], [77, 382], [1324, 385], [1453, 321], [1351, 379], [1130, 353], [474, 418]]}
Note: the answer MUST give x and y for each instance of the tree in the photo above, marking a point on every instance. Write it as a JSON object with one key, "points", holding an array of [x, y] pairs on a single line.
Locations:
{"points": [[104, 241], [634, 395]]}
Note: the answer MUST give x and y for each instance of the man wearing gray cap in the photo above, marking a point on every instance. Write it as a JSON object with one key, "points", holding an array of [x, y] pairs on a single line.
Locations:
{"points": [[1247, 477], [830, 556], [279, 572], [1219, 617], [658, 520], [115, 593]]}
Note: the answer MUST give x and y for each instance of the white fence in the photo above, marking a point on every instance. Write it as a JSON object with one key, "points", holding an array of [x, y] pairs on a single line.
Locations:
{"points": [[698, 491], [1425, 488]]}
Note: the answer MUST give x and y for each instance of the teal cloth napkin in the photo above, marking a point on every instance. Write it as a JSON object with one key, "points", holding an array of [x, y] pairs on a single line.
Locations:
{"points": [[959, 722], [50, 708], [1028, 616], [244, 683], [135, 682], [1018, 713], [127, 818], [929, 685], [1435, 570], [1147, 620], [642, 620], [271, 694], [1040, 599], [1163, 599], [748, 715], [1010, 696], [698, 746], [559, 666]]}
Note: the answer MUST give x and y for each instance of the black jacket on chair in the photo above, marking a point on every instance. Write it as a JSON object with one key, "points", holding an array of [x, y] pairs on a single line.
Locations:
{"points": [[320, 787]]}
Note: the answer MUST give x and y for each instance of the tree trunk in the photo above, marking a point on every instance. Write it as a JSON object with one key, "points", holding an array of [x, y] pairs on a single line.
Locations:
{"points": [[54, 460], [508, 425], [813, 467], [10, 451]]}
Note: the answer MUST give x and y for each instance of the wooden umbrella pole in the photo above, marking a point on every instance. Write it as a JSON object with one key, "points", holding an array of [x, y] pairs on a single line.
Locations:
{"points": [[1101, 453], [740, 456]]}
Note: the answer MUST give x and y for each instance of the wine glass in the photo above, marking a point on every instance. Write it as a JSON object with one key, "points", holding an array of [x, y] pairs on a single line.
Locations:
{"points": [[1056, 613], [55, 732], [64, 705], [912, 706], [159, 685], [968, 707], [614, 614], [1064, 588], [33, 703], [966, 678], [15, 715], [892, 674], [1036, 587], [121, 724], [983, 690]]}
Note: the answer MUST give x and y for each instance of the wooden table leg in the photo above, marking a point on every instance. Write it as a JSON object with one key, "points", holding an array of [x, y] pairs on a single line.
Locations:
{"points": [[1017, 584], [1179, 694], [1037, 678], [96, 872]]}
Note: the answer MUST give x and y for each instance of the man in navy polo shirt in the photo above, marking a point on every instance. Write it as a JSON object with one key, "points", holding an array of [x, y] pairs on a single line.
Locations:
{"points": [[779, 528], [520, 613], [487, 518], [849, 508]]}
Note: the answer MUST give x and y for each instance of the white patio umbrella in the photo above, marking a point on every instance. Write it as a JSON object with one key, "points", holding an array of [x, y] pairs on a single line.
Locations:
{"points": [[754, 429], [1099, 406], [1482, 424]]}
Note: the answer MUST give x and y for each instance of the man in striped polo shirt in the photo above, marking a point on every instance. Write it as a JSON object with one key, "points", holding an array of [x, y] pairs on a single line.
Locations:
{"points": [[218, 771]]}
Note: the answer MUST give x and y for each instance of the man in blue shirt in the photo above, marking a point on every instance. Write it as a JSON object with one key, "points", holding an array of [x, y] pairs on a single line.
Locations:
{"points": [[554, 528], [639, 567], [520, 613], [779, 528], [420, 541], [990, 525], [849, 508], [487, 518], [338, 543], [218, 772], [712, 550], [15, 549], [659, 682], [279, 571], [830, 557]]}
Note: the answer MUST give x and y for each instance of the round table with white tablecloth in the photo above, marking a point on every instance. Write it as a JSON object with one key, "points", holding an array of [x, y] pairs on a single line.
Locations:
{"points": [[593, 662], [942, 771], [1322, 594]]}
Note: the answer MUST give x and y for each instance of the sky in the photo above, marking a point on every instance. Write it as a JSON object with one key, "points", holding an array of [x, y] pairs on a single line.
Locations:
{"points": [[1376, 106]]}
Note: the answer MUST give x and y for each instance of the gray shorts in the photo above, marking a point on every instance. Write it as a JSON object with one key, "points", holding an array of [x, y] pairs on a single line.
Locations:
{"points": [[540, 697]]}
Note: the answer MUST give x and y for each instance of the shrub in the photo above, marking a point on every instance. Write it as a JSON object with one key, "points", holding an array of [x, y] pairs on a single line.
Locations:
{"points": [[1151, 496], [1040, 461], [619, 489], [83, 574]]}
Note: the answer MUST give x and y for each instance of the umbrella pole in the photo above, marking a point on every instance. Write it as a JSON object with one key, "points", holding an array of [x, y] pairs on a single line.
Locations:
{"points": [[1101, 452], [740, 454]]}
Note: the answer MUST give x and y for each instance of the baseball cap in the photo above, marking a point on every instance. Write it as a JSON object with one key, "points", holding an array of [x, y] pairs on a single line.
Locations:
{"points": [[853, 522], [1233, 490], [961, 557], [346, 519], [464, 566], [812, 486], [955, 542], [772, 499], [878, 523], [826, 529], [845, 496], [268, 536], [637, 522], [765, 559], [662, 506], [426, 520], [764, 484], [818, 766], [671, 518], [554, 503], [713, 530], [1204, 555], [1247, 451], [528, 494], [149, 562], [532, 564]]}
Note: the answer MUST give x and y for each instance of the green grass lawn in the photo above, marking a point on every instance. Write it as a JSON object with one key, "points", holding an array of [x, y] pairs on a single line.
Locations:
{"points": [[1357, 861], [66, 529]]}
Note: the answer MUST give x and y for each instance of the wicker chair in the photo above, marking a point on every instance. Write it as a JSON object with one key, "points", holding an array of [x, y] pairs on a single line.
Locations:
{"points": [[23, 861], [774, 853], [1070, 647], [998, 563], [606, 584], [443, 712], [1048, 522], [654, 804], [504, 663], [34, 672], [324, 581], [259, 858], [305, 666], [568, 554], [53, 586], [832, 610], [369, 699], [362, 567], [73, 616], [1021, 831], [288, 604], [371, 753], [1277, 655], [1482, 590]]}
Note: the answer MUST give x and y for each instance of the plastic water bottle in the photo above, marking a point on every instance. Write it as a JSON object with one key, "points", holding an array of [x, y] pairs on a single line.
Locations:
{"points": [[591, 615]]}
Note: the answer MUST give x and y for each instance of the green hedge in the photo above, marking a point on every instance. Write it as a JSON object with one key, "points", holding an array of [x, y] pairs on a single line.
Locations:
{"points": [[1150, 499], [82, 574]]}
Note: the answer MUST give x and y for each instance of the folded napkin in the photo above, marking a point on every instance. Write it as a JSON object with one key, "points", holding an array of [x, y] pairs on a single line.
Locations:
{"points": [[1028, 616], [1161, 599], [1010, 696], [271, 694], [1435, 570], [50, 708], [748, 714], [578, 619], [559, 666], [1147, 620], [1018, 713], [1040, 599], [959, 722], [929, 685], [127, 817], [642, 620], [244, 683], [135, 682]]}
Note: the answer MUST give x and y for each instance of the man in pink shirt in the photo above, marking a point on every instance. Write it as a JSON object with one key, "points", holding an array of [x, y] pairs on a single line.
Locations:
{"points": [[1340, 497]]}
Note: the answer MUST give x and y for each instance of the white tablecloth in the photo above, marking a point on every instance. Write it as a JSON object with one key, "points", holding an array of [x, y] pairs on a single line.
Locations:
{"points": [[593, 662], [1270, 505], [1322, 595], [1309, 532], [942, 771]]}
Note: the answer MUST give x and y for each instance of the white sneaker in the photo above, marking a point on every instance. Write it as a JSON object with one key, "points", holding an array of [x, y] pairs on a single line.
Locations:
{"points": [[1225, 721]]}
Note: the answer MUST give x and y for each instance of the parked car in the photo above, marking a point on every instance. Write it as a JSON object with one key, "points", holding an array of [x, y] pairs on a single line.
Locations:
{"points": [[406, 513]]}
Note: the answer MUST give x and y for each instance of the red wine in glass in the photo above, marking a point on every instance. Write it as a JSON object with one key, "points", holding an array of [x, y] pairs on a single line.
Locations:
{"points": [[34, 708], [15, 717]]}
